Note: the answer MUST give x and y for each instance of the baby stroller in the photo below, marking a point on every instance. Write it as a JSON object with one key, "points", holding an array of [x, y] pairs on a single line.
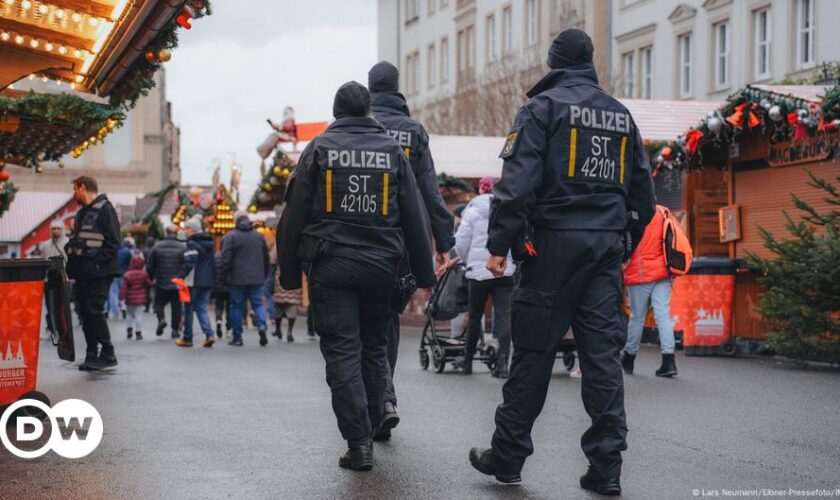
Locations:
{"points": [[449, 299]]}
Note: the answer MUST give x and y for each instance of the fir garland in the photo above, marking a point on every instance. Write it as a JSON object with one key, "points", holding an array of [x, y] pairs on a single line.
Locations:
{"points": [[273, 184], [450, 182], [78, 113], [7, 196]]}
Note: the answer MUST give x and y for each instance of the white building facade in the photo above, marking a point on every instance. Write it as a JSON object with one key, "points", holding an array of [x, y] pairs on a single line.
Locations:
{"points": [[446, 48], [706, 50]]}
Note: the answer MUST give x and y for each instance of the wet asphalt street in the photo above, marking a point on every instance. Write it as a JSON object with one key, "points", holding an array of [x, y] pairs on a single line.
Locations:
{"points": [[256, 422]]}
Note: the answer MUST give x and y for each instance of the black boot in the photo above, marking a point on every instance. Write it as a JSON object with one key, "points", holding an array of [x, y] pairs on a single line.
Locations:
{"points": [[138, 335], [668, 368], [357, 458], [390, 419], [90, 358], [161, 326], [278, 330], [175, 335], [106, 359], [593, 481], [263, 338], [130, 332], [628, 361], [468, 364], [501, 370], [219, 329], [484, 461]]}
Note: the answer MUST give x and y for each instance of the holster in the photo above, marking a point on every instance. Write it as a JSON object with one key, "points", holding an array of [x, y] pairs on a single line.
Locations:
{"points": [[404, 288], [312, 247]]}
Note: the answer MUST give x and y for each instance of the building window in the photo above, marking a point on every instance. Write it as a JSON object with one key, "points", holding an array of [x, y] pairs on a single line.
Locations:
{"points": [[444, 58], [627, 75], [646, 56], [411, 12], [490, 42], [763, 39], [432, 6], [685, 65], [431, 66], [411, 66], [721, 55], [507, 30], [531, 19], [471, 53], [805, 33]]}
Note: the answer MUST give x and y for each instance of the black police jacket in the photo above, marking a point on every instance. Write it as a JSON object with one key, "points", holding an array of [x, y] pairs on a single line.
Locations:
{"points": [[391, 110], [353, 194], [92, 248], [574, 160]]}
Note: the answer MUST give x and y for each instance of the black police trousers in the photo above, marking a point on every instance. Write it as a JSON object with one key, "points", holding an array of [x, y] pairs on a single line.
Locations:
{"points": [[351, 310], [91, 295], [393, 350], [575, 280]]}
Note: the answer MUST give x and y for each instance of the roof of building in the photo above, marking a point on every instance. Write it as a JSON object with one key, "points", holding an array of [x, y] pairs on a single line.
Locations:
{"points": [[31, 208], [813, 93], [661, 121]]}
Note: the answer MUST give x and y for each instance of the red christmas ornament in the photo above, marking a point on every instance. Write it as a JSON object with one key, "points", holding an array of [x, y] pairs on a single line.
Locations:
{"points": [[793, 118], [666, 153], [184, 17], [151, 56], [4, 176]]}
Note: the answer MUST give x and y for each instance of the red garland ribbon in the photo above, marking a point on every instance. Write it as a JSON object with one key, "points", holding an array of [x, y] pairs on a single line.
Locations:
{"points": [[692, 139], [793, 118], [800, 133]]}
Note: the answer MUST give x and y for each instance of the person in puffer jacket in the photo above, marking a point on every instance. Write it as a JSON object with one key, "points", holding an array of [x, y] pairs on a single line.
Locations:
{"points": [[197, 270], [648, 281], [134, 292], [471, 247], [164, 264]]}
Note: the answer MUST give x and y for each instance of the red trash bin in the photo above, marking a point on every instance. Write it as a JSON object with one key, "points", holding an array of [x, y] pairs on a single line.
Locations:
{"points": [[701, 305], [21, 304]]}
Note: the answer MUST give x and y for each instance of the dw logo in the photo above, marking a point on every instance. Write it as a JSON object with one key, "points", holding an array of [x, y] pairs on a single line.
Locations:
{"points": [[75, 428]]}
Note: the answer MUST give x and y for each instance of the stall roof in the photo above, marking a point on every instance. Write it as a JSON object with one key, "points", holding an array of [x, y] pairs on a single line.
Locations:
{"points": [[471, 157], [663, 121], [813, 93], [31, 208]]}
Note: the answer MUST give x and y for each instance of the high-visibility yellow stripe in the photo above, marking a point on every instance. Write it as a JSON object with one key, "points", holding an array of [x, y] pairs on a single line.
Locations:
{"points": [[572, 152], [329, 191], [385, 193], [621, 161]]}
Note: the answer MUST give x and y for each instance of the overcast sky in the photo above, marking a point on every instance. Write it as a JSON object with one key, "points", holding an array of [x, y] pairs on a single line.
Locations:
{"points": [[241, 65]]}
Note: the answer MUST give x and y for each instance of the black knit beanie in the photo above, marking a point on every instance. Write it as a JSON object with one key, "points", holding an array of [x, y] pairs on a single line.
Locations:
{"points": [[384, 77], [352, 99], [570, 48]]}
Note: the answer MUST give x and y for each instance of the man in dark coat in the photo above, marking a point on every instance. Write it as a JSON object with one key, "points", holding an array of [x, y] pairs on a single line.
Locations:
{"points": [[245, 265], [164, 264], [391, 110], [575, 172], [352, 212], [198, 272], [93, 263]]}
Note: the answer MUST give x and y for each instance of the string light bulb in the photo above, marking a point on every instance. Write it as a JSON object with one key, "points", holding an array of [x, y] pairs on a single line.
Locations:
{"points": [[62, 50], [77, 53], [4, 36], [48, 47], [31, 76], [93, 22], [76, 17], [26, 5], [10, 2], [19, 40], [43, 9], [59, 14], [34, 43]]}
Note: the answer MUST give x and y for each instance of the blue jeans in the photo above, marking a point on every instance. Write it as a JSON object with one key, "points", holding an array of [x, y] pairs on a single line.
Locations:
{"points": [[112, 307], [199, 301], [238, 295], [659, 295]]}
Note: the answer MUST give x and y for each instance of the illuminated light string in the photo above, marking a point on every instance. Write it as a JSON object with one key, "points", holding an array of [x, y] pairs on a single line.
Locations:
{"points": [[100, 135]]}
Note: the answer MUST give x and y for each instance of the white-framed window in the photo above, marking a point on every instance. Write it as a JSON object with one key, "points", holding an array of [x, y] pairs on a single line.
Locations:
{"points": [[507, 30], [686, 74], [431, 66], [411, 12], [531, 20], [646, 56], [471, 53], [412, 64], [415, 73], [444, 59], [805, 33], [490, 42], [763, 43], [722, 37], [431, 6], [462, 56], [628, 75]]}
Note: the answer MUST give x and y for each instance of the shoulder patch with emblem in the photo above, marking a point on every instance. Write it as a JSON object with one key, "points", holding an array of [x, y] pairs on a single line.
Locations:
{"points": [[510, 144]]}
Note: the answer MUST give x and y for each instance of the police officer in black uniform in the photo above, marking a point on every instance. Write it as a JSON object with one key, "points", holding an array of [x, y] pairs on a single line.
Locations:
{"points": [[352, 212], [391, 110], [93, 262], [575, 167]]}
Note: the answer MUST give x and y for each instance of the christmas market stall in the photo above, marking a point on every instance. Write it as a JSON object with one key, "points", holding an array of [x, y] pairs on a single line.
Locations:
{"points": [[750, 170], [104, 53]]}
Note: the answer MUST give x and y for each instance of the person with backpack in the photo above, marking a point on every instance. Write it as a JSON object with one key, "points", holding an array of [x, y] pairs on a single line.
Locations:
{"points": [[662, 252]]}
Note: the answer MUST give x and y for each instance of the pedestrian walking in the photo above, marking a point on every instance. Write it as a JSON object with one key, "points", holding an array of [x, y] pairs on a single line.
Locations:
{"points": [[147, 252], [124, 254], [471, 247], [197, 270], [390, 108], [93, 262], [54, 247], [134, 293], [164, 263], [352, 213], [285, 302], [574, 167], [648, 284], [245, 266]]}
